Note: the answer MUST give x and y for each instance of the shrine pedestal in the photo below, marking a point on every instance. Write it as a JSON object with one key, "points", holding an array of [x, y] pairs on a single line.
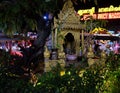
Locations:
{"points": [[53, 58]]}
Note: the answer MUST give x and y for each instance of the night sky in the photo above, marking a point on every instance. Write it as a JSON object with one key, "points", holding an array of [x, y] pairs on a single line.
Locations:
{"points": [[101, 3], [112, 24]]}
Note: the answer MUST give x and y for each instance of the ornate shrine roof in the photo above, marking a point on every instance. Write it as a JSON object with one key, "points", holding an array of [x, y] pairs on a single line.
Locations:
{"points": [[68, 17]]}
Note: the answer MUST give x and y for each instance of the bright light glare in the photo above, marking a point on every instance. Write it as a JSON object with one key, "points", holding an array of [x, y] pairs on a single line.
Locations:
{"points": [[45, 17]]}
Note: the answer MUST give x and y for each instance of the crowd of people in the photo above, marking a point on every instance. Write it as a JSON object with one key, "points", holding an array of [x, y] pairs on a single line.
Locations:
{"points": [[107, 46], [14, 47]]}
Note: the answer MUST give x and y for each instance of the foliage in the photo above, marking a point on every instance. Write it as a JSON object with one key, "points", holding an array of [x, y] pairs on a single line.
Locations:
{"points": [[95, 1], [111, 82], [92, 23], [14, 85], [112, 76], [4, 58], [94, 79], [54, 82], [113, 61], [18, 15]]}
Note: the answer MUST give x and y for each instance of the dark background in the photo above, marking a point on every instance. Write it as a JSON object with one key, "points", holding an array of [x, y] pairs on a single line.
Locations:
{"points": [[113, 24], [101, 3]]}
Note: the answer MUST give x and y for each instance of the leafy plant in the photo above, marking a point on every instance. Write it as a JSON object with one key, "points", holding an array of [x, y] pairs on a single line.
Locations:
{"points": [[94, 79]]}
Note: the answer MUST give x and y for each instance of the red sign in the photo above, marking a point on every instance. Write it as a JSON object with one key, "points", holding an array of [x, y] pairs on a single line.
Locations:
{"points": [[109, 15]]}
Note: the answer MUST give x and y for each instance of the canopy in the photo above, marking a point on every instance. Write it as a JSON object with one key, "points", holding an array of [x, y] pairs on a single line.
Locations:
{"points": [[99, 30], [102, 34]]}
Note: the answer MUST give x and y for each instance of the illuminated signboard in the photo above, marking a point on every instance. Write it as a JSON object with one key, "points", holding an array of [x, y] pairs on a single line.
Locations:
{"points": [[112, 15], [109, 9], [100, 10], [103, 13], [87, 11]]}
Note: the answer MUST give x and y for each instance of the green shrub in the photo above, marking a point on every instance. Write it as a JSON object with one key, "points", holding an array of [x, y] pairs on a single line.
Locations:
{"points": [[94, 79]]}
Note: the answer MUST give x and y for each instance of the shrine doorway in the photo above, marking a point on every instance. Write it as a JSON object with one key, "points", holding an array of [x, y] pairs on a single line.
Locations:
{"points": [[69, 44]]}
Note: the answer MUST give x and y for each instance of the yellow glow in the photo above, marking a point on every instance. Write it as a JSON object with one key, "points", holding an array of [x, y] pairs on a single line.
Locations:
{"points": [[109, 9], [81, 73], [92, 10], [69, 73], [39, 83], [62, 73]]}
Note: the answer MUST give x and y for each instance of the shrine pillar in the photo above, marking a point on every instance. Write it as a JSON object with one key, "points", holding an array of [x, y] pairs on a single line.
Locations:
{"points": [[77, 41]]}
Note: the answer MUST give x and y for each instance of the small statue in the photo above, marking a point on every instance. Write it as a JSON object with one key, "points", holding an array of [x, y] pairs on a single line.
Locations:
{"points": [[90, 56], [103, 57], [90, 52], [61, 53], [46, 53]]}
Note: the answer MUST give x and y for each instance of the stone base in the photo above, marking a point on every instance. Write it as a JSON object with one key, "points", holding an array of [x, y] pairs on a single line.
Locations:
{"points": [[53, 63]]}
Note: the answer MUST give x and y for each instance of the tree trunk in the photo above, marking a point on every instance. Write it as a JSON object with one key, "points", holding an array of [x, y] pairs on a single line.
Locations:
{"points": [[43, 31]]}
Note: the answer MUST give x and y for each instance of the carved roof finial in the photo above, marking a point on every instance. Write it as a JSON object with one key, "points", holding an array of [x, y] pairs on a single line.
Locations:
{"points": [[68, 4]]}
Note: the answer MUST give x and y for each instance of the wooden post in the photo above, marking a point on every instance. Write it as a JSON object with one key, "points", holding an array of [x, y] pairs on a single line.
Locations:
{"points": [[82, 38]]}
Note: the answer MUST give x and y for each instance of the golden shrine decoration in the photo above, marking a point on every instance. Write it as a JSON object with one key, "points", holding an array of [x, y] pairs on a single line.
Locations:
{"points": [[99, 30], [69, 23]]}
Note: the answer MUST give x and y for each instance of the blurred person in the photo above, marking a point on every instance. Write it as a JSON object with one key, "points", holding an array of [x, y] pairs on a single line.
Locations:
{"points": [[6, 46], [1, 47], [97, 48]]}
